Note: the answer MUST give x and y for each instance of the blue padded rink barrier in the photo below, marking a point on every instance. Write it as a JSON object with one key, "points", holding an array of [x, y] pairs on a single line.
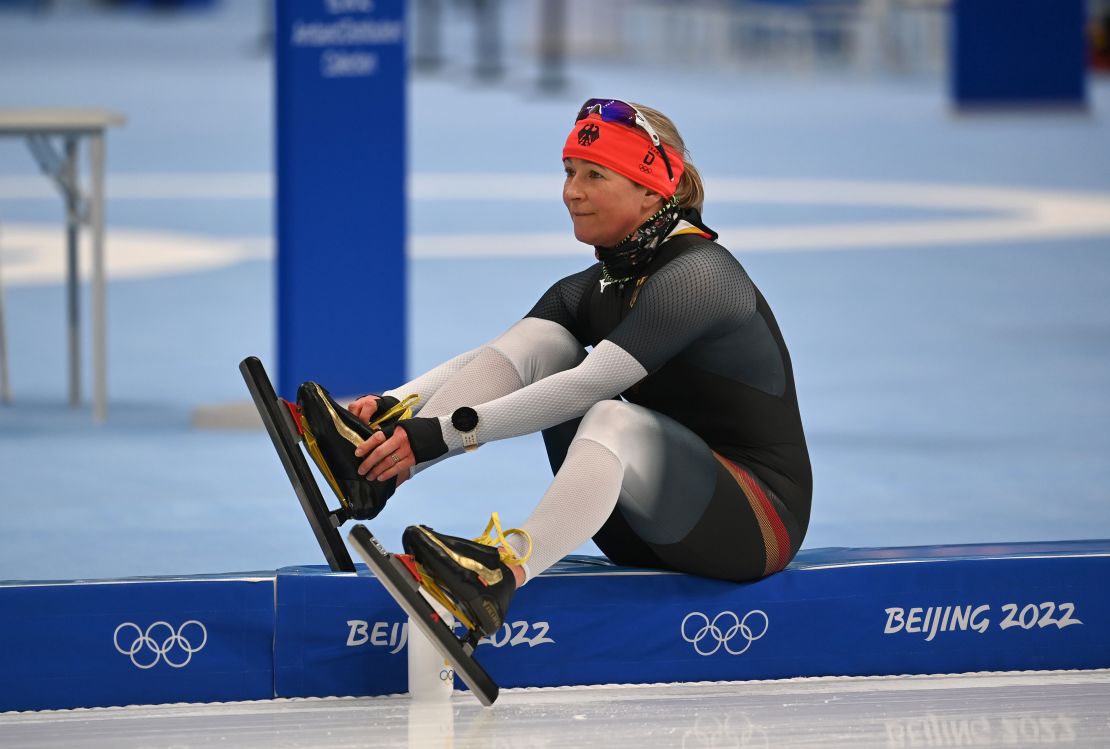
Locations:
{"points": [[942, 282]]}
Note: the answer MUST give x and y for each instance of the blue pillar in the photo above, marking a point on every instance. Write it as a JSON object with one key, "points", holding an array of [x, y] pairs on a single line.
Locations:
{"points": [[1019, 53], [341, 224]]}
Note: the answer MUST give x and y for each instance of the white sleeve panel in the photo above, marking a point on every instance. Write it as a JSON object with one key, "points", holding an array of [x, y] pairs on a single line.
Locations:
{"points": [[536, 348], [608, 371], [428, 383]]}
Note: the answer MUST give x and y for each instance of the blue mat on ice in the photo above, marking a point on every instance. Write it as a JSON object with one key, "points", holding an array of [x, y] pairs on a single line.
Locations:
{"points": [[304, 631]]}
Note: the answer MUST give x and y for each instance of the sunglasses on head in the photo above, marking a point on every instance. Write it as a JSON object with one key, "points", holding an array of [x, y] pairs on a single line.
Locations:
{"points": [[615, 110]]}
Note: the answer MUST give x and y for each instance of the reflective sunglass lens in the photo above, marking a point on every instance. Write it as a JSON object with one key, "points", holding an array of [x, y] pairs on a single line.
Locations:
{"points": [[611, 110]]}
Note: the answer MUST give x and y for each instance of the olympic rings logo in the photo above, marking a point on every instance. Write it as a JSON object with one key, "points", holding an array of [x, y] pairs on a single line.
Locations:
{"points": [[721, 633], [160, 641]]}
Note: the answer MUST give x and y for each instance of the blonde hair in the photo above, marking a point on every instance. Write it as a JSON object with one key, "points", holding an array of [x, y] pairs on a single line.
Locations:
{"points": [[691, 191]]}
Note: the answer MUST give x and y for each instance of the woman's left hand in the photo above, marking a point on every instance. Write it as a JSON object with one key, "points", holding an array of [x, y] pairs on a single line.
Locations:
{"points": [[386, 458]]}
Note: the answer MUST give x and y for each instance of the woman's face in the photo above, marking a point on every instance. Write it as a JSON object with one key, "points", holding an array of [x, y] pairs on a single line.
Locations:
{"points": [[604, 206]]}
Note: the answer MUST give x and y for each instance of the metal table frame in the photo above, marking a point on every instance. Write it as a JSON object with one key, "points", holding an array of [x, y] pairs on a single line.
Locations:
{"points": [[58, 161]]}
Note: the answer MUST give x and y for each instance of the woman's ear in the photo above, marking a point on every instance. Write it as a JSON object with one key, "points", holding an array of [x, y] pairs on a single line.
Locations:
{"points": [[652, 200]]}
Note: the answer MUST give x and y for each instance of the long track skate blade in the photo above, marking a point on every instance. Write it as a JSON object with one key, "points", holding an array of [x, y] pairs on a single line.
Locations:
{"points": [[400, 584], [283, 433]]}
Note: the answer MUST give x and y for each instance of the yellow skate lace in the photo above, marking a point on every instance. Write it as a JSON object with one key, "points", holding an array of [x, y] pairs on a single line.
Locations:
{"points": [[404, 408], [494, 536], [491, 536]]}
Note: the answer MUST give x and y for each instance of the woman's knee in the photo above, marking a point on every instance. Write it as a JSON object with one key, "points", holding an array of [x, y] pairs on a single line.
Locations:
{"points": [[539, 348], [669, 472], [608, 422]]}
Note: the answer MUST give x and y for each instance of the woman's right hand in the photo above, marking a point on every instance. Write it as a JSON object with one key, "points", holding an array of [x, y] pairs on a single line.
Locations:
{"points": [[365, 407]]}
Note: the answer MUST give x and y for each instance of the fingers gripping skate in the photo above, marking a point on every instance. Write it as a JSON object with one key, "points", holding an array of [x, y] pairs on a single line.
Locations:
{"points": [[331, 433], [400, 412]]}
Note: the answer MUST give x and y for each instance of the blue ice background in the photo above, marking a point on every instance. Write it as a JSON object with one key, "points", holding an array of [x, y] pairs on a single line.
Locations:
{"points": [[950, 394]]}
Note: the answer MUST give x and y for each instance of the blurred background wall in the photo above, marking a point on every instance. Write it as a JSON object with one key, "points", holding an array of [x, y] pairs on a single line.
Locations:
{"points": [[851, 36], [942, 279]]}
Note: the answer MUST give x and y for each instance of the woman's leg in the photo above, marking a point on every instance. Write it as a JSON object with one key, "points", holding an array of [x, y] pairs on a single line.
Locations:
{"points": [[651, 493], [622, 545]]}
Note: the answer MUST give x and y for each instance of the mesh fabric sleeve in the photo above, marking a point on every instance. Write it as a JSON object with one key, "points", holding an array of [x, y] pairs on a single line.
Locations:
{"points": [[559, 304], [700, 294], [428, 383], [606, 372]]}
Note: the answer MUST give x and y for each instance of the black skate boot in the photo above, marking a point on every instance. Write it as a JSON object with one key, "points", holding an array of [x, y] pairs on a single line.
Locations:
{"points": [[331, 434], [471, 578]]}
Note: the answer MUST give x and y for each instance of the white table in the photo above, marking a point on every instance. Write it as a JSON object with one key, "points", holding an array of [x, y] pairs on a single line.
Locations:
{"points": [[59, 162]]}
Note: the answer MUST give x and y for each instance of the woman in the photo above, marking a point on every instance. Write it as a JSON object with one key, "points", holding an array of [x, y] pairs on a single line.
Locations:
{"points": [[701, 468]]}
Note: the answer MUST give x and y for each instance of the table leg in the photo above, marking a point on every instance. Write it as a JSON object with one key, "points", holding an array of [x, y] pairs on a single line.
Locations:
{"points": [[99, 312], [5, 384], [73, 312]]}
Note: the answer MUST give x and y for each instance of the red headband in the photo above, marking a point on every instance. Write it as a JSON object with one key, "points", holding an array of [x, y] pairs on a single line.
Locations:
{"points": [[626, 150]]}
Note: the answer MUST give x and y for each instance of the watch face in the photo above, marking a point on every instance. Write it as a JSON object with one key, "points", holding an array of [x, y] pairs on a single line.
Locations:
{"points": [[464, 419]]}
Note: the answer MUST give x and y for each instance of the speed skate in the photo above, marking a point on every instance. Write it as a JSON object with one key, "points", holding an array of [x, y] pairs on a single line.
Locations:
{"points": [[398, 573]]}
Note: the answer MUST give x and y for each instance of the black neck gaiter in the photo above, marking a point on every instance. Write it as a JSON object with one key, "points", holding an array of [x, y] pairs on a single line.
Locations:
{"points": [[626, 259]]}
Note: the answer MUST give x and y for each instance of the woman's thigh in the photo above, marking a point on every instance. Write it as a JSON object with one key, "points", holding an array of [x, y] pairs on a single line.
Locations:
{"points": [[682, 506]]}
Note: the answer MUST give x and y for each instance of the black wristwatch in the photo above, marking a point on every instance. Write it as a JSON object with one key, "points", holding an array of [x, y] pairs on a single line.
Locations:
{"points": [[465, 420]]}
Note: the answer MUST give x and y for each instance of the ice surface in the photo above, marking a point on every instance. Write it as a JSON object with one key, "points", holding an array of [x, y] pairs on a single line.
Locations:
{"points": [[984, 710]]}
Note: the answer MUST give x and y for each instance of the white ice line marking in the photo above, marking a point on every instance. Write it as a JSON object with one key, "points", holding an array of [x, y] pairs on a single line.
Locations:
{"points": [[153, 186], [527, 187], [33, 253]]}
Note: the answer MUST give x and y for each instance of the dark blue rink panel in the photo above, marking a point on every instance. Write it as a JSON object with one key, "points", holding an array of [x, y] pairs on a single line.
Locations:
{"points": [[311, 632], [343, 629], [1019, 53], [337, 632], [832, 612], [138, 641]]}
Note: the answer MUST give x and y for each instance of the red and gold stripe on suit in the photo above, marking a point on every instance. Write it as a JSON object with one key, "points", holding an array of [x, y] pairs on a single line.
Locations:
{"points": [[776, 541]]}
